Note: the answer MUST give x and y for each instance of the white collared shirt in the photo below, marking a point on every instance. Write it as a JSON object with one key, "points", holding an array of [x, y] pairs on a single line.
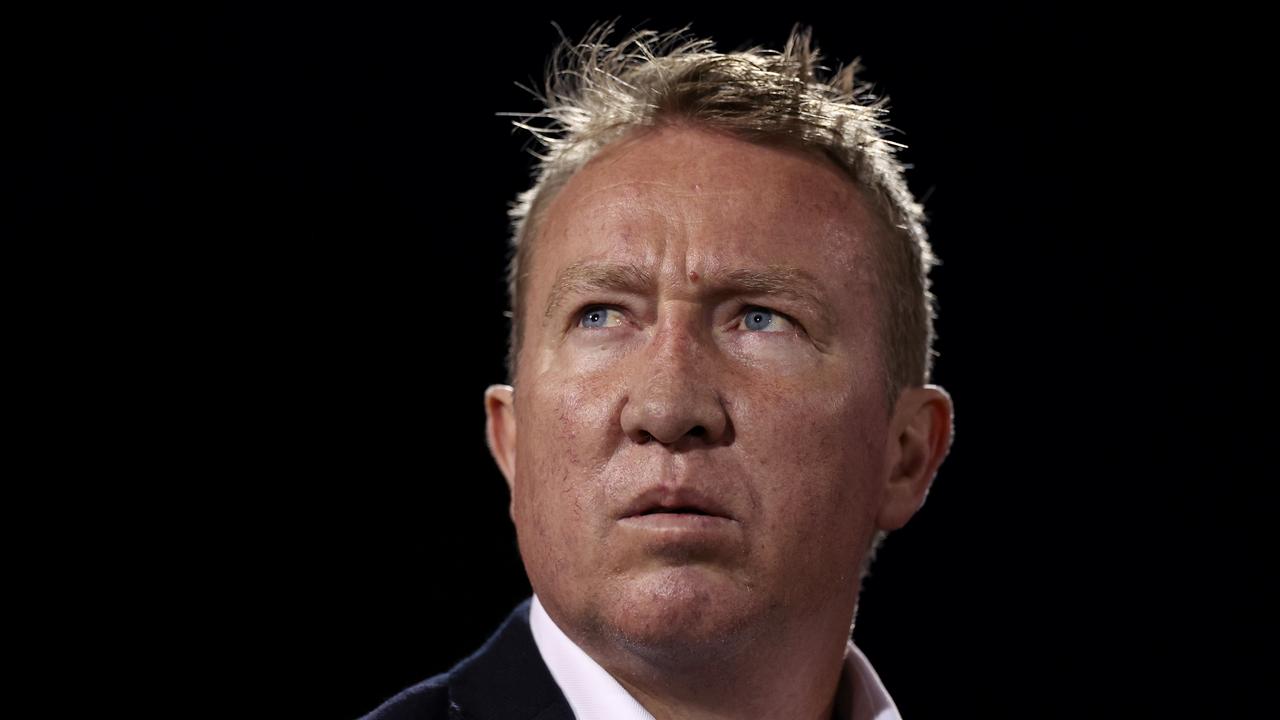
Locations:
{"points": [[593, 694]]}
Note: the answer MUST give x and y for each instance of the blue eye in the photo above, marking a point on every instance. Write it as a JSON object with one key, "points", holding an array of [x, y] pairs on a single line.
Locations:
{"points": [[600, 317], [758, 318]]}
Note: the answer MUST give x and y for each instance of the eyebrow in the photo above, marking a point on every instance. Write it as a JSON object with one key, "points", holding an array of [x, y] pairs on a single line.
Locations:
{"points": [[773, 280], [584, 278], [777, 280]]}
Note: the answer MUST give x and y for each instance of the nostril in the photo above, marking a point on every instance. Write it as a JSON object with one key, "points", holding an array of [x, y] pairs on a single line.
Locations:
{"points": [[698, 431]]}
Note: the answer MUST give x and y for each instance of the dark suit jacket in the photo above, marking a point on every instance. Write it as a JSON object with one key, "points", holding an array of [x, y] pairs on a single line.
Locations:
{"points": [[504, 680]]}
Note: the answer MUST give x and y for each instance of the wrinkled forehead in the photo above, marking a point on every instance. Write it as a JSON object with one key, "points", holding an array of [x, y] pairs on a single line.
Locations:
{"points": [[724, 199]]}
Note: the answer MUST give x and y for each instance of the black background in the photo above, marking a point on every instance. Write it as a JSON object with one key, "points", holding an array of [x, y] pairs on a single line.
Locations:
{"points": [[273, 242]]}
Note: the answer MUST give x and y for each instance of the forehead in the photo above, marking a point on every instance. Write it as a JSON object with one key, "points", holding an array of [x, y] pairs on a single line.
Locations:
{"points": [[716, 199]]}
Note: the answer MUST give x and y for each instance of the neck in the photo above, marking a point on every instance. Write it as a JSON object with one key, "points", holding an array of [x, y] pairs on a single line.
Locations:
{"points": [[806, 693], [793, 674]]}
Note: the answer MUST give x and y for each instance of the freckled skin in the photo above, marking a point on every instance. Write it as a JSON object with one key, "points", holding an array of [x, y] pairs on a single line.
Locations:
{"points": [[787, 428]]}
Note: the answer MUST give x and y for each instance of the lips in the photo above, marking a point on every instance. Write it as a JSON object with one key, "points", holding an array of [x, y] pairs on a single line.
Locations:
{"points": [[678, 500]]}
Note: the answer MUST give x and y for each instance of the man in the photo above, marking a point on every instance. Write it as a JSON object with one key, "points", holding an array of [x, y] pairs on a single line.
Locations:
{"points": [[719, 401]]}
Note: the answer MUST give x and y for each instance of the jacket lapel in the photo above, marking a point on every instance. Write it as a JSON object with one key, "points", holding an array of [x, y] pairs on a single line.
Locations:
{"points": [[506, 679]]}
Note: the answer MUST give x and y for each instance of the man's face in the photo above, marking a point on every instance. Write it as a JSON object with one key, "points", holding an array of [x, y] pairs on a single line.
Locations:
{"points": [[702, 431]]}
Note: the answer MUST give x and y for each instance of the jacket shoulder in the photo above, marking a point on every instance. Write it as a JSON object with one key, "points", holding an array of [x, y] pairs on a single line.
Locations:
{"points": [[506, 679], [428, 700]]}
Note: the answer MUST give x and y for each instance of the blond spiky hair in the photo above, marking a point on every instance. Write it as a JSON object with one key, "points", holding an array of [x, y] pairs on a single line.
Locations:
{"points": [[595, 93]]}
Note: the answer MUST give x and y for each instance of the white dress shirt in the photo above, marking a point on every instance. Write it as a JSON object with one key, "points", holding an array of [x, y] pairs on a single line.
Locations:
{"points": [[593, 694]]}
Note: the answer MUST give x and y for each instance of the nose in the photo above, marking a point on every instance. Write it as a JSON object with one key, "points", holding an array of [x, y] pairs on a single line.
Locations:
{"points": [[674, 397]]}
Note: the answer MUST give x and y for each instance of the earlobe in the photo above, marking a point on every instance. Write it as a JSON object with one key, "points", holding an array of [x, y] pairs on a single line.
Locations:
{"points": [[500, 430], [919, 439]]}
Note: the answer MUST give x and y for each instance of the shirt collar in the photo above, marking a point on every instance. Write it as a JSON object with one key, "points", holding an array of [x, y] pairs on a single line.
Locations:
{"points": [[593, 694]]}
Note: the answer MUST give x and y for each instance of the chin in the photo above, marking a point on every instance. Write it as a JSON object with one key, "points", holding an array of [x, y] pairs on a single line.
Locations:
{"points": [[680, 612]]}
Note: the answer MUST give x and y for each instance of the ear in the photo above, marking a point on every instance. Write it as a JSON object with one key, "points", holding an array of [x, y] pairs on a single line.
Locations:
{"points": [[919, 439], [500, 432]]}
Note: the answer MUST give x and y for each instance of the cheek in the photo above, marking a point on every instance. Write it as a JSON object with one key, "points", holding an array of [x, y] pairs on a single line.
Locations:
{"points": [[816, 459], [575, 418], [566, 431]]}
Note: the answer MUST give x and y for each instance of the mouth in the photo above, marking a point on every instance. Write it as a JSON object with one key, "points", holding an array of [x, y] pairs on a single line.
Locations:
{"points": [[678, 501], [686, 510]]}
